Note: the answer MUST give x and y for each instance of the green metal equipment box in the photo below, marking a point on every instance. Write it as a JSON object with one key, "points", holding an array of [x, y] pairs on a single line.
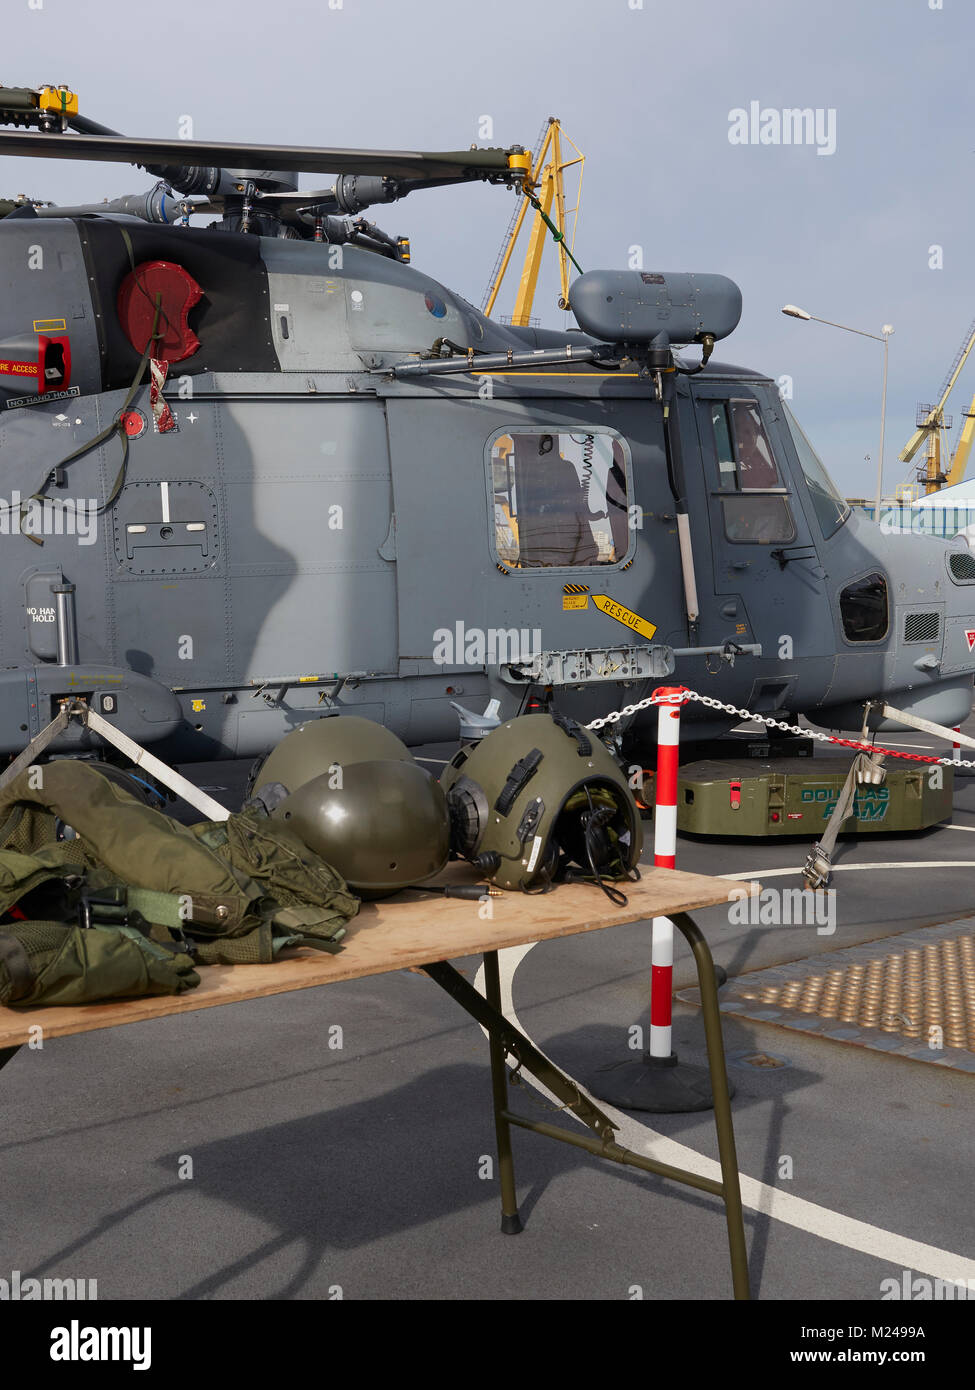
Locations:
{"points": [[796, 796]]}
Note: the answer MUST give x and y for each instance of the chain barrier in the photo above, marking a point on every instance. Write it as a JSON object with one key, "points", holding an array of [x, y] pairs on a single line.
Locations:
{"points": [[681, 696]]}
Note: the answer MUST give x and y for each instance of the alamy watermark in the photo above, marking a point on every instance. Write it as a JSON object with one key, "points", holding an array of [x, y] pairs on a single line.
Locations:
{"points": [[493, 646], [784, 907], [915, 1288], [793, 125], [77, 1343], [48, 516], [926, 521], [24, 1289]]}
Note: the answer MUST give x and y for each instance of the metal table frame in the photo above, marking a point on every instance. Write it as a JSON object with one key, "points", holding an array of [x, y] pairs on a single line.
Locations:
{"points": [[505, 1040]]}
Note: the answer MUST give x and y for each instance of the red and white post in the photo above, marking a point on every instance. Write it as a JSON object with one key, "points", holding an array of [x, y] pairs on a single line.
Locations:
{"points": [[664, 857], [656, 1082], [956, 747]]}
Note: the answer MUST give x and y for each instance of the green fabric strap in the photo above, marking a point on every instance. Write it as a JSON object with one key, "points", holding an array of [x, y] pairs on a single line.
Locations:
{"points": [[314, 943], [163, 908], [556, 234]]}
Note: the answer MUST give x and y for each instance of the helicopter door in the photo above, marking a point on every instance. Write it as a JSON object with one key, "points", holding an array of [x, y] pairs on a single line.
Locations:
{"points": [[574, 529], [520, 533], [577, 532], [764, 556]]}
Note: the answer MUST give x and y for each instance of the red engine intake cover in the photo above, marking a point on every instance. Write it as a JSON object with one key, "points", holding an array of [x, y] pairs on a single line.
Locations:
{"points": [[137, 308]]}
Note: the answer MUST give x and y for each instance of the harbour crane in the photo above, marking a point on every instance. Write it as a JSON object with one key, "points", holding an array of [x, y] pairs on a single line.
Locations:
{"points": [[932, 422], [548, 187]]}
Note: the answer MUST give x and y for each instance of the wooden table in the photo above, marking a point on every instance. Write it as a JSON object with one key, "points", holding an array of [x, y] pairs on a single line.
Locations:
{"points": [[420, 930]]}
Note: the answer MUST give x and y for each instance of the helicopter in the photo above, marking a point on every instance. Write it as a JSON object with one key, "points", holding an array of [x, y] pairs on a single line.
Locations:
{"points": [[268, 470]]}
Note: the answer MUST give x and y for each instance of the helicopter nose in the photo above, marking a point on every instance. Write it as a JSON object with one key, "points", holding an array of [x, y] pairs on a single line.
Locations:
{"points": [[930, 663], [959, 637]]}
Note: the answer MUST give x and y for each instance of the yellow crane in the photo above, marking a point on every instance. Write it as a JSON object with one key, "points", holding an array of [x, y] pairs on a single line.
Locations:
{"points": [[959, 460], [932, 423], [547, 188]]}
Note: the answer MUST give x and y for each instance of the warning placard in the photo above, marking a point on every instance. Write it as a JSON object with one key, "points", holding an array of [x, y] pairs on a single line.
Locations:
{"points": [[970, 637], [629, 619], [46, 399]]}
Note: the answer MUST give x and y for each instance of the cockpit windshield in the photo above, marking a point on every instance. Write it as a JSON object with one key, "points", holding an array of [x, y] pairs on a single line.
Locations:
{"points": [[830, 505]]}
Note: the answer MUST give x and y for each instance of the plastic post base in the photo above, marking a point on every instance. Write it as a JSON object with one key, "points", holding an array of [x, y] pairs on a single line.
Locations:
{"points": [[511, 1225], [661, 1085]]}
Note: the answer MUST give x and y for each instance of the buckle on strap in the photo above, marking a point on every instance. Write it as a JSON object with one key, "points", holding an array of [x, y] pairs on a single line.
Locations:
{"points": [[107, 907], [817, 870]]}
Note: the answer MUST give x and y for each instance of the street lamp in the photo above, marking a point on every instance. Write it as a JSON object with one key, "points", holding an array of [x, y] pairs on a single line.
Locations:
{"points": [[796, 313]]}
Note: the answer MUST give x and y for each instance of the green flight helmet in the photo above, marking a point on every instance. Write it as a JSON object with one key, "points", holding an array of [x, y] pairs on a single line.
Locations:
{"points": [[317, 745], [540, 800], [383, 824]]}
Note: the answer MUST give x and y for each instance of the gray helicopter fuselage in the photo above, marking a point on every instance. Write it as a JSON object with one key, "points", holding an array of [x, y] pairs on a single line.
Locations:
{"points": [[316, 534]]}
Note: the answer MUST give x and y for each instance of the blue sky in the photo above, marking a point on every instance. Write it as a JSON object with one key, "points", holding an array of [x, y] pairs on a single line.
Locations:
{"points": [[646, 93]]}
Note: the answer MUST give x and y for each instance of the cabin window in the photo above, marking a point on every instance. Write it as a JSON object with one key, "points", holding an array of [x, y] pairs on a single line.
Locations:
{"points": [[864, 609], [560, 499], [829, 504]]}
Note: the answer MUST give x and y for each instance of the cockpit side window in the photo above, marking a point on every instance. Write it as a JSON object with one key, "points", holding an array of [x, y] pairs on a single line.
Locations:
{"points": [[727, 464], [762, 520], [756, 467], [745, 459], [749, 465], [747, 469], [560, 499]]}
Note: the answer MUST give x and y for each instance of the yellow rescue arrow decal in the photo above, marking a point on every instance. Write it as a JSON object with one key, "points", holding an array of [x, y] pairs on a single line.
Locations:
{"points": [[612, 609]]}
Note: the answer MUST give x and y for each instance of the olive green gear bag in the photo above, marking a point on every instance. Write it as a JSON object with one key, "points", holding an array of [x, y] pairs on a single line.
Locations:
{"points": [[228, 892], [48, 962]]}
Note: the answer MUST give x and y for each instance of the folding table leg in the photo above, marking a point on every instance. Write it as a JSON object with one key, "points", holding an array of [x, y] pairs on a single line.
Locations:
{"points": [[730, 1187], [505, 1038], [510, 1220]]}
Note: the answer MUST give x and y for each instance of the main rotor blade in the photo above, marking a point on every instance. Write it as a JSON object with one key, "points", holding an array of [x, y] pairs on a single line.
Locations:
{"points": [[120, 149]]}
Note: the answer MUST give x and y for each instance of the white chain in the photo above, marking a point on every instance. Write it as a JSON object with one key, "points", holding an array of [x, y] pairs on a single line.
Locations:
{"points": [[679, 697]]}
